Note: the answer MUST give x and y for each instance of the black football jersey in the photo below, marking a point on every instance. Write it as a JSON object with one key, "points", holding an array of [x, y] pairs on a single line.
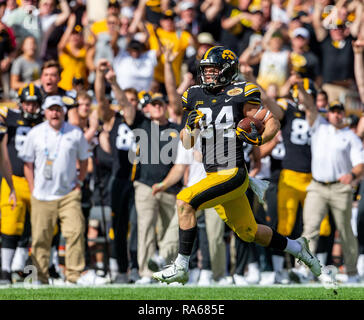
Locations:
{"points": [[17, 129], [221, 148], [277, 155], [122, 141], [296, 138]]}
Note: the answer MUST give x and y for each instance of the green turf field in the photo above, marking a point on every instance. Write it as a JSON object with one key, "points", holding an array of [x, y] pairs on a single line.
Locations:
{"points": [[130, 292]]}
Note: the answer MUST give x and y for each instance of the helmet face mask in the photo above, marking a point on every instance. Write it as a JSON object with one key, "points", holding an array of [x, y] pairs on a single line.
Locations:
{"points": [[223, 60], [30, 94]]}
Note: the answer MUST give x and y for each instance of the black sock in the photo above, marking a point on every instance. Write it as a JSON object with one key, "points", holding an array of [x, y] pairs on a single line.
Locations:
{"points": [[278, 241], [186, 239]]}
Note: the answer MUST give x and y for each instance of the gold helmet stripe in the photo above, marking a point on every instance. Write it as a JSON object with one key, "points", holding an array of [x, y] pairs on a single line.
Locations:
{"points": [[31, 89], [306, 83], [208, 51]]}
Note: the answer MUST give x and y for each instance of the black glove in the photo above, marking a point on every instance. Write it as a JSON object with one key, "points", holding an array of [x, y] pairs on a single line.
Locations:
{"points": [[253, 137], [193, 118]]}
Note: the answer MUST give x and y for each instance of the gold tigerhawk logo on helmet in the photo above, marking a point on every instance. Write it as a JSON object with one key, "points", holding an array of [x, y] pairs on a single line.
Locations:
{"points": [[68, 100], [228, 54]]}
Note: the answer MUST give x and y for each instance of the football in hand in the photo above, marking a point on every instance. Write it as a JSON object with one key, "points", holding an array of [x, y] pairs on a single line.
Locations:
{"points": [[245, 124]]}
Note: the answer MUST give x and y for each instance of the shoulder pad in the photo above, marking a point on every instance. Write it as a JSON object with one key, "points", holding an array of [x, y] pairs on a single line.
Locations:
{"points": [[4, 112], [3, 130], [252, 93], [187, 95], [283, 103], [250, 88]]}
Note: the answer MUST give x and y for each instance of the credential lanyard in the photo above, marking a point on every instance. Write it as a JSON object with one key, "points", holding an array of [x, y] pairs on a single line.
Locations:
{"points": [[46, 150]]}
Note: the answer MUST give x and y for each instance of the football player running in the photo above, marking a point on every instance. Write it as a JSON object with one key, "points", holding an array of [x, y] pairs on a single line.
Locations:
{"points": [[18, 123], [215, 108], [5, 165]]}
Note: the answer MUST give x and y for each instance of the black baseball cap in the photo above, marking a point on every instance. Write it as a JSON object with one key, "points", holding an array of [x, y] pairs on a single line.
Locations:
{"points": [[168, 14], [299, 14], [336, 105], [136, 45], [114, 3]]}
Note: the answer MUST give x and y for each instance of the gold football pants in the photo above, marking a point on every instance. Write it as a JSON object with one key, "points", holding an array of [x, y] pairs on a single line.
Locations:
{"points": [[292, 192], [12, 221], [225, 191]]}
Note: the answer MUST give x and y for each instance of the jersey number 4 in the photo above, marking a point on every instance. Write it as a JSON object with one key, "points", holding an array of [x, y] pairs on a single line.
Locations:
{"points": [[224, 120]]}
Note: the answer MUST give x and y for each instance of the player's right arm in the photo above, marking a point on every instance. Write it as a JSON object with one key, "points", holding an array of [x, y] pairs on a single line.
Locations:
{"points": [[251, 107], [267, 101], [191, 130]]}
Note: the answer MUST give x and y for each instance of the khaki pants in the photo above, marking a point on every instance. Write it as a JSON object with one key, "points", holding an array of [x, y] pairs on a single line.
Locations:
{"points": [[215, 234], [44, 216], [337, 197], [149, 208]]}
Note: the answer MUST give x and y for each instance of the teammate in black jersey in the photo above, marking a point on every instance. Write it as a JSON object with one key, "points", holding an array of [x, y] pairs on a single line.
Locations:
{"points": [[18, 123], [5, 165], [215, 108]]}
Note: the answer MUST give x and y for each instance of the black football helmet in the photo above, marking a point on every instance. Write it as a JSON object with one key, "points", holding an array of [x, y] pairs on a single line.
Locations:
{"points": [[309, 87], [27, 94], [223, 59]]}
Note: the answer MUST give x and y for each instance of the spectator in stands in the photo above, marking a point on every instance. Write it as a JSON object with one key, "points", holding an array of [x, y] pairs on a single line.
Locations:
{"points": [[25, 22], [10, 5], [100, 26], [303, 60], [274, 64], [134, 66], [25, 68], [205, 41], [336, 49], [234, 20], [164, 34], [72, 54], [7, 51], [107, 45], [49, 18], [187, 18]]}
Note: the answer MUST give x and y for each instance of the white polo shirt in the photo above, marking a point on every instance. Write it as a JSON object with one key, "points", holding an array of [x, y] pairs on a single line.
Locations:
{"points": [[64, 147], [334, 151]]}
